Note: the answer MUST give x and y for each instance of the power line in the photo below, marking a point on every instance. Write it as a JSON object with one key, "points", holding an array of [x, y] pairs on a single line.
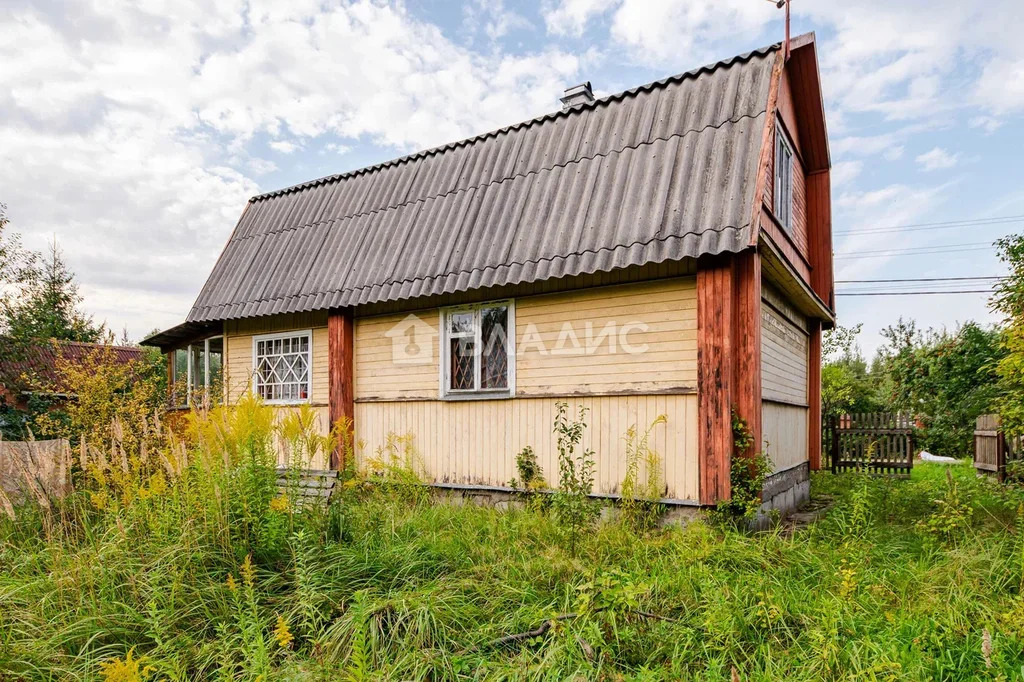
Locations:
{"points": [[916, 279], [951, 248], [912, 293], [949, 224]]}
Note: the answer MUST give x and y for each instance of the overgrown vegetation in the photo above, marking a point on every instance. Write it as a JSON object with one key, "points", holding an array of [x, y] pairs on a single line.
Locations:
{"points": [[179, 558], [944, 379]]}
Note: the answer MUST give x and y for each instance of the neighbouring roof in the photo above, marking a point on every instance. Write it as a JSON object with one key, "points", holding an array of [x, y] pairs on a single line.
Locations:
{"points": [[39, 362], [661, 172]]}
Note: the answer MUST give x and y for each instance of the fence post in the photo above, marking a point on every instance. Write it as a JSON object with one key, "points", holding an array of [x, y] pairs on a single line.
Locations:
{"points": [[1001, 454], [834, 449]]}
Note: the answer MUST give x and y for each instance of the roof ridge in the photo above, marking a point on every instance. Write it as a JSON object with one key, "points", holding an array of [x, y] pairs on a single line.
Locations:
{"points": [[552, 115]]}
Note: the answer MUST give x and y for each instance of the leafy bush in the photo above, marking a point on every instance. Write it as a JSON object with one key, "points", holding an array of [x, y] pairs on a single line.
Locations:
{"points": [[573, 506]]}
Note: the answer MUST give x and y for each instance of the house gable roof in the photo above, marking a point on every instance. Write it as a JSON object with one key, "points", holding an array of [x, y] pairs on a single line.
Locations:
{"points": [[661, 172]]}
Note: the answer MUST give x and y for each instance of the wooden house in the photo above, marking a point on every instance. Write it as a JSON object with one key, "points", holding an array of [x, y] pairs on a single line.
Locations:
{"points": [[662, 251]]}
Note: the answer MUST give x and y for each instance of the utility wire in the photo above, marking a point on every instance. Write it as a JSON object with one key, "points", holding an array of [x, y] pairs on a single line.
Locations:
{"points": [[950, 224], [951, 248], [911, 293], [916, 279]]}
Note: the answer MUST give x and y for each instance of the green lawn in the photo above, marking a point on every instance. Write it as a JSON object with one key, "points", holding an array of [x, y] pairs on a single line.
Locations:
{"points": [[902, 579]]}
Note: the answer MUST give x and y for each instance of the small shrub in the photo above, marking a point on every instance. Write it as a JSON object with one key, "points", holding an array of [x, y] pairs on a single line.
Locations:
{"points": [[573, 506], [953, 516], [639, 506], [531, 475]]}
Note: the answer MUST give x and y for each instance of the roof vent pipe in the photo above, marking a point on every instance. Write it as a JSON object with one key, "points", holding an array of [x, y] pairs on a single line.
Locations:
{"points": [[577, 95]]}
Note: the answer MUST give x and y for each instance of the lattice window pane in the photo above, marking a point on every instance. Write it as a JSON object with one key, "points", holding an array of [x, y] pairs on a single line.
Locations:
{"points": [[494, 357], [282, 368], [462, 357]]}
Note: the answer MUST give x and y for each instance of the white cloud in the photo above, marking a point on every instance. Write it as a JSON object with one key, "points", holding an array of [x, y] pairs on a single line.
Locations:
{"points": [[1000, 88], [570, 17], [936, 159], [681, 33], [845, 172], [284, 146], [126, 128]]}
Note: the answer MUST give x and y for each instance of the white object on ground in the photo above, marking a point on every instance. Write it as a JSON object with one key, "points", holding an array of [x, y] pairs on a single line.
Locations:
{"points": [[929, 457]]}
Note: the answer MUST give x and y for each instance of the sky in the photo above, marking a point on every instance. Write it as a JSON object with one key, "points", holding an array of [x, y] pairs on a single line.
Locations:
{"points": [[134, 133]]}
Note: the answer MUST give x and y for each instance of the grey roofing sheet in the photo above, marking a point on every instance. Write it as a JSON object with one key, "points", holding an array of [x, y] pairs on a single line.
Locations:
{"points": [[660, 172]]}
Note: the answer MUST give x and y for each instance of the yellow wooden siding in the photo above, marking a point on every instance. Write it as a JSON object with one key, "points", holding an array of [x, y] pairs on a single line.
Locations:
{"points": [[475, 442], [387, 367], [238, 361], [552, 333], [659, 317], [784, 353], [784, 432]]}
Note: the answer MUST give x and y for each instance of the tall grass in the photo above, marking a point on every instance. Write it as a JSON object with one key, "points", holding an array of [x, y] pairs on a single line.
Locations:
{"points": [[188, 564]]}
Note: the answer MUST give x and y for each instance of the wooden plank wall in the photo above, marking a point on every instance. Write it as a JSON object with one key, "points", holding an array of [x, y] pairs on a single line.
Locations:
{"points": [[402, 398], [729, 363], [238, 364], [785, 350], [475, 442], [340, 376], [785, 434], [660, 317]]}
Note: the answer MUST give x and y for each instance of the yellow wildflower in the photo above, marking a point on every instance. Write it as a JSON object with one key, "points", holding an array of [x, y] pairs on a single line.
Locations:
{"points": [[282, 634], [98, 500], [248, 574], [128, 670], [232, 585], [279, 504], [157, 484]]}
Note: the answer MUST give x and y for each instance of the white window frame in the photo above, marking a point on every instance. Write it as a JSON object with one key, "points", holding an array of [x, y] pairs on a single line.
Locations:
{"points": [[783, 196], [308, 333], [477, 393]]}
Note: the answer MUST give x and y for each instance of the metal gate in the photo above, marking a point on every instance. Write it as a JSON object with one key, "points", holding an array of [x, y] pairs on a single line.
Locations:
{"points": [[877, 442]]}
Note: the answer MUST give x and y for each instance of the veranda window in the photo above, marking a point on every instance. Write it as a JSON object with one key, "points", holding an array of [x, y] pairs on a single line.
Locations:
{"points": [[282, 363], [196, 371], [478, 351]]}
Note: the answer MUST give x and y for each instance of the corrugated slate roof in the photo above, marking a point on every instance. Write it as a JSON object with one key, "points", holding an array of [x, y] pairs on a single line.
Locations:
{"points": [[661, 172]]}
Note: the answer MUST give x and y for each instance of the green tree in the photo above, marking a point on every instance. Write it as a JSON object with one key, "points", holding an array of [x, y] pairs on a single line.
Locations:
{"points": [[45, 304], [846, 383], [1008, 300], [944, 378]]}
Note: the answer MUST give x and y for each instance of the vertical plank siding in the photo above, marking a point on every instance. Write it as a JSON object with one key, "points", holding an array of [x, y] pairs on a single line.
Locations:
{"points": [[785, 435], [341, 396], [814, 396], [475, 442]]}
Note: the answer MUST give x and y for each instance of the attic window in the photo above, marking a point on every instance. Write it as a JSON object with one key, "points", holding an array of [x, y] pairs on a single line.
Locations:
{"points": [[478, 351], [783, 208]]}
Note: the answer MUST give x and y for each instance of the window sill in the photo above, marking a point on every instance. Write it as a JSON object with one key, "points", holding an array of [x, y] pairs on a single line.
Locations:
{"points": [[465, 397]]}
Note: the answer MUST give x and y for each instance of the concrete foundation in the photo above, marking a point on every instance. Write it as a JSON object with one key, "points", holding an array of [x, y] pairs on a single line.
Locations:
{"points": [[784, 493]]}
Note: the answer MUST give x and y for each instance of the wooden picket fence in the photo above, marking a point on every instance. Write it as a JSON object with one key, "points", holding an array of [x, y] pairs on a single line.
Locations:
{"points": [[876, 442], [992, 448]]}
